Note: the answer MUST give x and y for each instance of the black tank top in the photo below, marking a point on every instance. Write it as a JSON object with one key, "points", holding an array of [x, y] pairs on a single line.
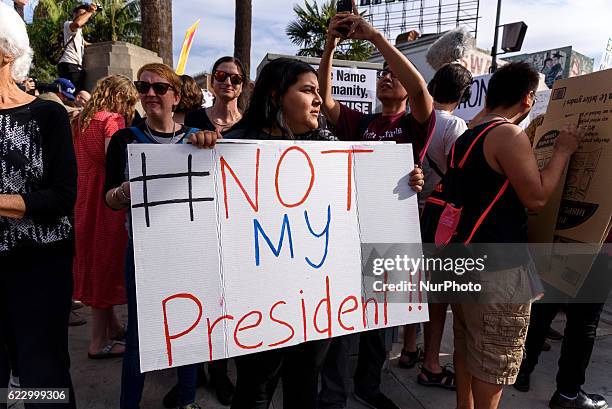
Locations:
{"points": [[506, 221]]}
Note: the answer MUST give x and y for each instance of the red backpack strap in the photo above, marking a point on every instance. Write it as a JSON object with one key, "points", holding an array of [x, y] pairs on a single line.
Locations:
{"points": [[488, 209], [480, 135], [430, 131]]}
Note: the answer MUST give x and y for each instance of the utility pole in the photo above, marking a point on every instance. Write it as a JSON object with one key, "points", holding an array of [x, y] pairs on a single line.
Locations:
{"points": [[495, 39]]}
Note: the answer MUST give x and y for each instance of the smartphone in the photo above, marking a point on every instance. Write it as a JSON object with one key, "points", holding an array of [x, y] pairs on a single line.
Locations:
{"points": [[345, 6]]}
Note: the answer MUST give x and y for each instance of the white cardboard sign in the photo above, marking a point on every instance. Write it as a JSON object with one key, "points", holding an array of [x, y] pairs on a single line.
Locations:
{"points": [[254, 246]]}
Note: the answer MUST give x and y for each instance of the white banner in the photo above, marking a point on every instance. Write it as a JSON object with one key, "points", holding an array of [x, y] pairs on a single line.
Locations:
{"points": [[354, 87], [255, 246]]}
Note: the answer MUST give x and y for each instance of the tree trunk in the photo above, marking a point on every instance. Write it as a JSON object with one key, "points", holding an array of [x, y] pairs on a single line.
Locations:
{"points": [[242, 33], [157, 28], [19, 6]]}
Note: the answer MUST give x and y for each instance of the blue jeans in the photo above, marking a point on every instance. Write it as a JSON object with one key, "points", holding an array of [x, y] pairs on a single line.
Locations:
{"points": [[132, 380]]}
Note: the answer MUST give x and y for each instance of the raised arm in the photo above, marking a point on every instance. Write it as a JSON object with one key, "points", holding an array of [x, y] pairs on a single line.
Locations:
{"points": [[331, 107], [83, 18], [421, 103]]}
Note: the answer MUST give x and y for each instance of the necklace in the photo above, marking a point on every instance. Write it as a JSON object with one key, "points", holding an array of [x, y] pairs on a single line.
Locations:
{"points": [[159, 139]]}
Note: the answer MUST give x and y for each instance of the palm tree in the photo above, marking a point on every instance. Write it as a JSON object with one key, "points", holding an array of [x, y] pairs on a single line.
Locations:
{"points": [[118, 20], [242, 33], [309, 32], [157, 27]]}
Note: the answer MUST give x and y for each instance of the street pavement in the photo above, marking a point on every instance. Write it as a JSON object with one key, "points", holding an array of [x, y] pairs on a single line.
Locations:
{"points": [[97, 383]]}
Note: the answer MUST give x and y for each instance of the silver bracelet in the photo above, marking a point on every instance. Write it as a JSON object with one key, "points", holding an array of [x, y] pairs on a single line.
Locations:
{"points": [[117, 199], [127, 199]]}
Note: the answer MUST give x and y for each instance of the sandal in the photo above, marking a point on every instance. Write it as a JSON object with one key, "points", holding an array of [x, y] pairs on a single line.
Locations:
{"points": [[121, 334], [444, 379], [107, 352], [409, 359]]}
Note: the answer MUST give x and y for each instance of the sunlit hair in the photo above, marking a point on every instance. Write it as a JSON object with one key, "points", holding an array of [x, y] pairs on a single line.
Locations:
{"points": [[14, 42], [191, 95], [115, 93], [165, 72]]}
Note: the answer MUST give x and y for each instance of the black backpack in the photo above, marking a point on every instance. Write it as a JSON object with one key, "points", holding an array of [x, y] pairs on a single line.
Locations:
{"points": [[442, 212]]}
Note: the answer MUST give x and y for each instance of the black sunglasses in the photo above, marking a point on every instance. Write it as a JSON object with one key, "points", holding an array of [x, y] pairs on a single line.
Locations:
{"points": [[221, 76], [160, 88]]}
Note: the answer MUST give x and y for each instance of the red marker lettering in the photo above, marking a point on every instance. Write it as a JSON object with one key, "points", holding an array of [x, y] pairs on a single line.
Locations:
{"points": [[239, 328], [312, 176], [349, 183], [286, 324], [169, 337]]}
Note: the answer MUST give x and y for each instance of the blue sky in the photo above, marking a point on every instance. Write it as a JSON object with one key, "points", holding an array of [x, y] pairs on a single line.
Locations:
{"points": [[552, 24]]}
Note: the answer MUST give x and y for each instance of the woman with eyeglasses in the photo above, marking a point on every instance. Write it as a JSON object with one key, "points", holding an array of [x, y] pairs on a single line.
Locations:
{"points": [[228, 79], [159, 88]]}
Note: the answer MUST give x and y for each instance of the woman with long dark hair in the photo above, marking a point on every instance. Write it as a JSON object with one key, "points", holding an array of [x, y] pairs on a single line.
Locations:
{"points": [[285, 104]]}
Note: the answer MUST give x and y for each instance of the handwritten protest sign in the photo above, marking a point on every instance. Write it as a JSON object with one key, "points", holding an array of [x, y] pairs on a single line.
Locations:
{"points": [[255, 246]]}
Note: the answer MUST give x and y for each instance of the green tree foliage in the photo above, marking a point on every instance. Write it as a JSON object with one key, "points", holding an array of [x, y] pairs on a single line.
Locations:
{"points": [[118, 20], [309, 31]]}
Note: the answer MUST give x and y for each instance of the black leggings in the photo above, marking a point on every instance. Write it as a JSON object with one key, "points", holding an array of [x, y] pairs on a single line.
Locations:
{"points": [[298, 366], [35, 301]]}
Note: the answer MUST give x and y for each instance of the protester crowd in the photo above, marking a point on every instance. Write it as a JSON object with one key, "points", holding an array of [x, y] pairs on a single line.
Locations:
{"points": [[65, 233]]}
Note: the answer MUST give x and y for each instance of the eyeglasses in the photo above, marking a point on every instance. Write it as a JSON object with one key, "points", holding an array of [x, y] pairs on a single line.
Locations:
{"points": [[160, 88], [221, 76], [384, 72]]}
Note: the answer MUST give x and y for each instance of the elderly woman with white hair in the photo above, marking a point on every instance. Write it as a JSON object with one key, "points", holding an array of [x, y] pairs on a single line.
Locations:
{"points": [[37, 196]]}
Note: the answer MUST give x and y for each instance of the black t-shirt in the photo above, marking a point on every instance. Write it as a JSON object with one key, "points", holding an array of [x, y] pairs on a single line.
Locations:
{"points": [[199, 119], [37, 161], [116, 155], [316, 135]]}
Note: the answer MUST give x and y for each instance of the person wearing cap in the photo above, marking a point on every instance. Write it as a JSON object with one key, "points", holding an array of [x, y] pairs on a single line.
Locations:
{"points": [[70, 65], [63, 96], [556, 71]]}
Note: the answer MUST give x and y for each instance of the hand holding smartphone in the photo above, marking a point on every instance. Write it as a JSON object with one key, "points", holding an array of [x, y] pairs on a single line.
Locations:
{"points": [[345, 6]]}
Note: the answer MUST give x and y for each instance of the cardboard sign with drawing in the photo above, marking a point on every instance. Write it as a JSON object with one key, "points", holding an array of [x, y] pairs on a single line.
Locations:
{"points": [[584, 209]]}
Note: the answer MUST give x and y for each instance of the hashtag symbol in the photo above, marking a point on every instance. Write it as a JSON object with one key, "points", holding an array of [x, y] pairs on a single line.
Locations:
{"points": [[190, 174]]}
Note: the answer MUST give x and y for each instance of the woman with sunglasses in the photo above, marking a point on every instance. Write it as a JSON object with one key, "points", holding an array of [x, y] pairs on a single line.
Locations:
{"points": [[228, 78], [159, 89]]}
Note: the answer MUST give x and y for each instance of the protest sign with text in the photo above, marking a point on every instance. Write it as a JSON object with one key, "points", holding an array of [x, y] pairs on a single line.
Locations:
{"points": [[254, 246]]}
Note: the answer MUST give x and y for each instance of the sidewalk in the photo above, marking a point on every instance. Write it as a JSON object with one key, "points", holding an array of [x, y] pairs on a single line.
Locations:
{"points": [[97, 383]]}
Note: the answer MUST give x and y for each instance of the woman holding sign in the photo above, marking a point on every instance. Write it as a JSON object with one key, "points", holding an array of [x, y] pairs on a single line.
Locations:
{"points": [[285, 105], [159, 89]]}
